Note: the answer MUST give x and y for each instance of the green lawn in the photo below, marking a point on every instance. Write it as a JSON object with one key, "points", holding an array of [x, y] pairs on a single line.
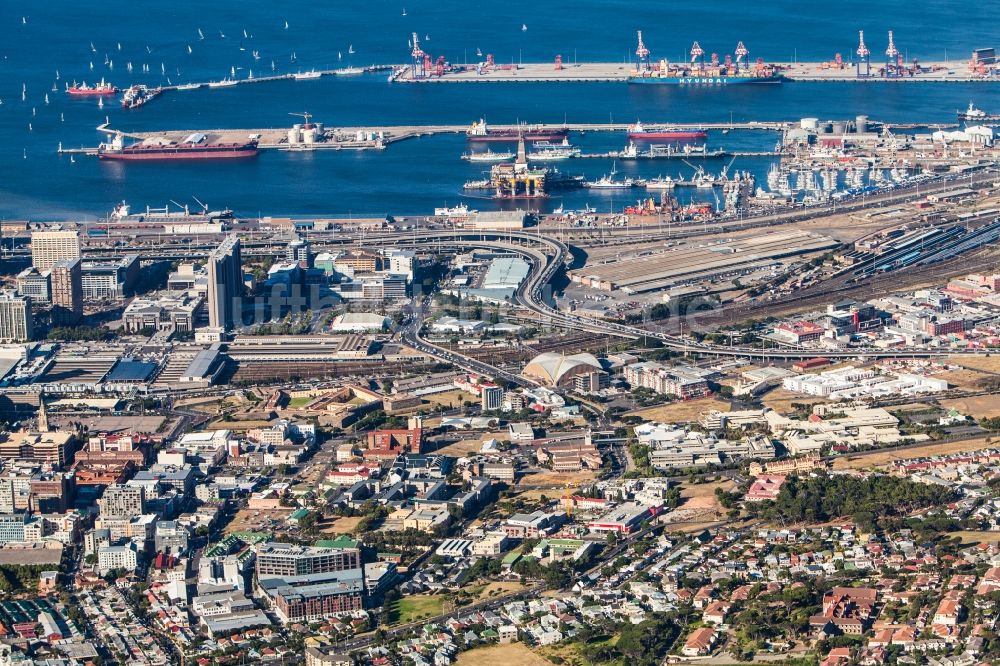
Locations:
{"points": [[416, 607], [298, 403]]}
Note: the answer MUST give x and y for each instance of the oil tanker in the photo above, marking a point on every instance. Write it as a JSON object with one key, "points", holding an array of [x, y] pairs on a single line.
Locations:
{"points": [[195, 147], [480, 132]]}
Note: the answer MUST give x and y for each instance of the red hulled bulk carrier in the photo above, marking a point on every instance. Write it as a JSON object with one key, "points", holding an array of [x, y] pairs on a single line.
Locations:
{"points": [[83, 90], [195, 147]]}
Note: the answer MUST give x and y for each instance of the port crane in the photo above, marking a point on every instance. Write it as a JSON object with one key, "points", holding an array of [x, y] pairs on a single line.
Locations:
{"points": [[642, 53], [741, 56], [864, 56], [698, 55], [306, 116], [420, 59], [893, 64]]}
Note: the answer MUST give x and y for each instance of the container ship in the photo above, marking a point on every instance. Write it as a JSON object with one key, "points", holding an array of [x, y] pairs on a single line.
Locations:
{"points": [[697, 72], [83, 90], [480, 132], [974, 115], [638, 132], [194, 147]]}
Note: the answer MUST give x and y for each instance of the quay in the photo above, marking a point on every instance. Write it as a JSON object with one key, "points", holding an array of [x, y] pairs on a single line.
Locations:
{"points": [[931, 72], [378, 137]]}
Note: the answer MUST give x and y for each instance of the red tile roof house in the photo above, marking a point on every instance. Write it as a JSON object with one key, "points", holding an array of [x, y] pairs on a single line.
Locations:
{"points": [[837, 656], [764, 487], [716, 612], [847, 609], [699, 642]]}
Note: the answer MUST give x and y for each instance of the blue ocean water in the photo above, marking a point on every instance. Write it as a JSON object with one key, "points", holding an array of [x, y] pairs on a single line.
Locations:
{"points": [[414, 176]]}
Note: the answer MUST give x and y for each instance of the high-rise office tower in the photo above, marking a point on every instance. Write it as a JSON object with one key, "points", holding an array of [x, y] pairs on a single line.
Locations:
{"points": [[225, 284]]}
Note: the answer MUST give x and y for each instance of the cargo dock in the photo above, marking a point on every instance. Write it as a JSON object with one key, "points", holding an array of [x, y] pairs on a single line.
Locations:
{"points": [[312, 136], [950, 71]]}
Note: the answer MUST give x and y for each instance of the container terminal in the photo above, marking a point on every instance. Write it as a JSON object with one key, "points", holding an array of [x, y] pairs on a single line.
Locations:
{"points": [[705, 68]]}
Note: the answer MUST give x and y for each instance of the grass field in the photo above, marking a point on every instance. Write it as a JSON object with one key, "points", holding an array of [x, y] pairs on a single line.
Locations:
{"points": [[980, 406], [299, 403], [415, 607], [878, 459], [983, 363], [680, 412], [448, 398], [513, 654], [340, 525], [963, 378], [780, 400], [969, 536]]}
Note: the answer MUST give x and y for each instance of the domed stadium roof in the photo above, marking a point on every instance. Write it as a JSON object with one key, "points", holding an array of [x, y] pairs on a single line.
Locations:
{"points": [[553, 369]]}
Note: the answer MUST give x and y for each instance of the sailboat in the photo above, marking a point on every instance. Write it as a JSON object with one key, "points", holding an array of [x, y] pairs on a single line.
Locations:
{"points": [[91, 65], [119, 46], [24, 20], [427, 38], [24, 92], [163, 68], [111, 64], [404, 11], [286, 25], [524, 27], [256, 55], [340, 56], [100, 102], [273, 68], [245, 34], [189, 50], [93, 49], [54, 89], [350, 49], [232, 72], [479, 53], [71, 160], [250, 76], [57, 75], [129, 67], [201, 35]]}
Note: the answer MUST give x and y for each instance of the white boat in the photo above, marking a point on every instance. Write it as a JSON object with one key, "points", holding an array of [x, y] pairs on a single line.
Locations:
{"points": [[544, 151], [349, 71], [304, 76], [488, 156], [189, 86], [460, 210], [661, 183], [609, 183], [223, 83]]}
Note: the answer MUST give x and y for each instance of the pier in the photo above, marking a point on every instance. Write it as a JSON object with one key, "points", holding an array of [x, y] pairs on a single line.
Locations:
{"points": [[378, 137]]}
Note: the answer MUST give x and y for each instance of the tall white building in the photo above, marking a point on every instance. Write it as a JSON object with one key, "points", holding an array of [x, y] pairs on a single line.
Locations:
{"points": [[48, 247], [16, 322]]}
